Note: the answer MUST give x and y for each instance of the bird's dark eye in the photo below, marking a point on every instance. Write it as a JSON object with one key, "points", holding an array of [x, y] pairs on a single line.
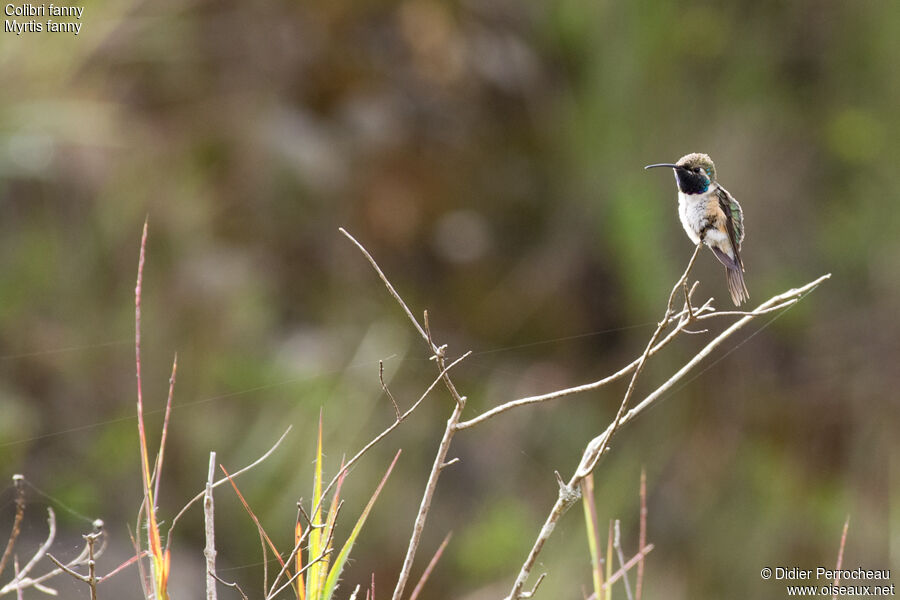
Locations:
{"points": [[696, 169]]}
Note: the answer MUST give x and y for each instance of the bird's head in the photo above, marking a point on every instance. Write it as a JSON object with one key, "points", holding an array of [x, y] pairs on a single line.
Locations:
{"points": [[694, 172]]}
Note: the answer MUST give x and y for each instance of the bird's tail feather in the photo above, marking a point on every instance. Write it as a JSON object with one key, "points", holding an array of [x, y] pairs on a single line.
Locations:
{"points": [[736, 286]]}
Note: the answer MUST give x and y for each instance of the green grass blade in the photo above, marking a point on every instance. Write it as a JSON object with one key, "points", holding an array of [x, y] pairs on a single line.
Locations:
{"points": [[315, 574], [328, 534], [332, 581], [590, 520]]}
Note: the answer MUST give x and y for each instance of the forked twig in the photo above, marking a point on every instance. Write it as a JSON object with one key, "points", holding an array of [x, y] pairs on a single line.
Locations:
{"points": [[440, 459], [599, 445], [222, 481], [232, 585], [635, 367]]}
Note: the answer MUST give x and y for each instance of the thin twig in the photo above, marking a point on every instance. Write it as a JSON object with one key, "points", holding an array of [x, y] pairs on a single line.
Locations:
{"points": [[602, 446], [297, 546], [263, 536], [565, 392], [210, 530], [51, 535], [392, 426], [123, 566], [91, 578], [66, 569], [19, 594], [165, 429], [427, 572], [708, 349], [222, 481], [386, 390], [326, 552], [20, 578], [439, 460], [654, 347], [598, 446], [569, 493], [18, 482], [617, 544], [634, 560], [438, 355], [92, 564], [840, 557], [642, 536], [139, 556], [84, 558], [232, 585], [388, 285]]}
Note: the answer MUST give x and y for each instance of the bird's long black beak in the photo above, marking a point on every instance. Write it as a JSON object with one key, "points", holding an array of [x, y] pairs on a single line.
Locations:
{"points": [[670, 165]]}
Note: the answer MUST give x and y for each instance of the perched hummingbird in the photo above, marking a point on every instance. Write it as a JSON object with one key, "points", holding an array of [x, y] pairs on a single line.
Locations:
{"points": [[711, 215]]}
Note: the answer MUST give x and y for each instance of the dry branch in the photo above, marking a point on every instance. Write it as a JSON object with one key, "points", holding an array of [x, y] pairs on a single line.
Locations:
{"points": [[569, 492], [438, 355], [18, 482], [210, 529]]}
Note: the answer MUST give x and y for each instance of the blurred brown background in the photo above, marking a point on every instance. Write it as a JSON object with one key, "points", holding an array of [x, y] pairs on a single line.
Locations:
{"points": [[489, 153]]}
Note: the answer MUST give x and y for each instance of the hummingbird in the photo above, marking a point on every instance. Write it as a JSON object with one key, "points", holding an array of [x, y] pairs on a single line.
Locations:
{"points": [[709, 214]]}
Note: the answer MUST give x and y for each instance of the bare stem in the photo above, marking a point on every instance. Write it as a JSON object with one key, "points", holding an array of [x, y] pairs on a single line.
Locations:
{"points": [[438, 355], [162, 443], [220, 482], [232, 585], [568, 493], [388, 285], [18, 482], [209, 526], [20, 578], [635, 366], [427, 572], [840, 556], [387, 390], [642, 537], [617, 544], [390, 428]]}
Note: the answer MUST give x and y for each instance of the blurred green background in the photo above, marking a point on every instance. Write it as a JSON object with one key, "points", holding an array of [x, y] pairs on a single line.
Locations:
{"points": [[489, 153]]}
